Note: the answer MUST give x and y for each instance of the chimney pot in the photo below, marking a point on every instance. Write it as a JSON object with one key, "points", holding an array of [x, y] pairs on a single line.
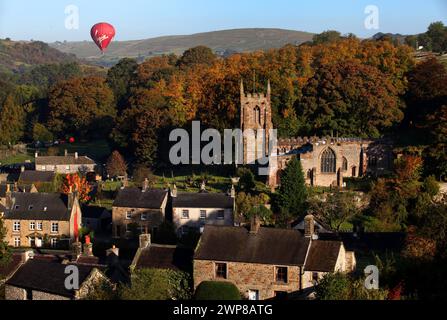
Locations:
{"points": [[255, 225], [145, 240], [76, 155], [66, 152], [22, 169], [174, 191], [36, 154], [309, 226]]}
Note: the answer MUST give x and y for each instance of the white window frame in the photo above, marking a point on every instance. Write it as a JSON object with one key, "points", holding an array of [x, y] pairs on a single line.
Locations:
{"points": [[53, 225], [53, 242], [39, 226], [185, 217], [43, 168], [144, 216], [220, 212], [32, 225], [203, 217], [16, 226], [17, 242], [67, 168], [129, 215]]}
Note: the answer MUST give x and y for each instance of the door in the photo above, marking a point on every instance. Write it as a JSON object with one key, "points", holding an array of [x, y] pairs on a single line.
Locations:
{"points": [[253, 295]]}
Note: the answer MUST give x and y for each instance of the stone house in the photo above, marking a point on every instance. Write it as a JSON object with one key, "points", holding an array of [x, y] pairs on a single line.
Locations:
{"points": [[195, 210], [142, 209], [44, 279], [66, 164], [40, 219], [265, 263]]}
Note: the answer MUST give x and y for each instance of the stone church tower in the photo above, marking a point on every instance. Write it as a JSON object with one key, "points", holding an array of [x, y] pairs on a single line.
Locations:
{"points": [[256, 113]]}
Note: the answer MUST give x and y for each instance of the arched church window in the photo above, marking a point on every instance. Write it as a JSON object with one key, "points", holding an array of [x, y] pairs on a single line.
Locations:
{"points": [[328, 161], [258, 115], [345, 164]]}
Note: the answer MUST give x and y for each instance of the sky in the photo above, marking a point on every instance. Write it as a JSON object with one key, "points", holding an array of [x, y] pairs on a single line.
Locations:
{"points": [[45, 20]]}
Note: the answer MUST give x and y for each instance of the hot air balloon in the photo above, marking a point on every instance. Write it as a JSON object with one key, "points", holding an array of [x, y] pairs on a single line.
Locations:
{"points": [[102, 33]]}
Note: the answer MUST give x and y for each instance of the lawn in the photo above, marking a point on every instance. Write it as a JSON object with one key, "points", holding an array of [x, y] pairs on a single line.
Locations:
{"points": [[18, 158]]}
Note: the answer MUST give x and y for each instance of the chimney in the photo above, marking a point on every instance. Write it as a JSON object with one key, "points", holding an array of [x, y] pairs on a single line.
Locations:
{"points": [[255, 225], [145, 240], [8, 195], [233, 192], [16, 187], [65, 152], [203, 187], [76, 155], [174, 191], [22, 169], [88, 247], [309, 226], [36, 154], [145, 185]]}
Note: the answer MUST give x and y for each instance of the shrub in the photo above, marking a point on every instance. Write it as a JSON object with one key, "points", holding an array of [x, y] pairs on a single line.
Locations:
{"points": [[213, 290]]}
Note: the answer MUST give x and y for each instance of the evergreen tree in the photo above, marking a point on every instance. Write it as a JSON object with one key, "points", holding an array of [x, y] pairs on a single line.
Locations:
{"points": [[11, 122], [292, 194], [5, 252]]}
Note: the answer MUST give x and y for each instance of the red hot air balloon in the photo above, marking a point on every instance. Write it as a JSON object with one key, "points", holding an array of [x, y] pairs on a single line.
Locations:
{"points": [[102, 33]]}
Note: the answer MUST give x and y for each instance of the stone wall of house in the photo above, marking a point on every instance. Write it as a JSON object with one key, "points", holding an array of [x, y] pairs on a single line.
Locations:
{"points": [[64, 231], [15, 293], [194, 220], [90, 284], [120, 221], [247, 276], [67, 169]]}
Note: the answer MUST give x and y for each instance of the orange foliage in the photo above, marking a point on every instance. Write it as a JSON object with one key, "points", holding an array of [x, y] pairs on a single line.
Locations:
{"points": [[74, 183]]}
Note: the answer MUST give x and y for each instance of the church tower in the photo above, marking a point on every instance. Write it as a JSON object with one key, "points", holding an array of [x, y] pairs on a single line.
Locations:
{"points": [[256, 113]]}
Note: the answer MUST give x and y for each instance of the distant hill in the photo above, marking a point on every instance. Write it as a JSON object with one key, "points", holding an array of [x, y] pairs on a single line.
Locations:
{"points": [[18, 55], [222, 42]]}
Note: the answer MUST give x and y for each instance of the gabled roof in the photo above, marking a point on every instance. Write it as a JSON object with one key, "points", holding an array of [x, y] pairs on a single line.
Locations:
{"points": [[32, 176], [322, 256], [38, 206], [46, 276], [63, 160], [136, 198], [165, 257], [203, 200], [267, 246]]}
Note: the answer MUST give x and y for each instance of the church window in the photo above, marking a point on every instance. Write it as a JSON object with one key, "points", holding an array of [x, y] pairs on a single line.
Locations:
{"points": [[328, 161], [345, 164], [258, 115]]}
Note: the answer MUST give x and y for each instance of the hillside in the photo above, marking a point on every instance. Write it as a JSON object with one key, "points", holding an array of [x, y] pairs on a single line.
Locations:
{"points": [[17, 56], [222, 42]]}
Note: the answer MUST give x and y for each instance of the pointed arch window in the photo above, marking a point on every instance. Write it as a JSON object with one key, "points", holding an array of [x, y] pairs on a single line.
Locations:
{"points": [[328, 161], [258, 115], [345, 164]]}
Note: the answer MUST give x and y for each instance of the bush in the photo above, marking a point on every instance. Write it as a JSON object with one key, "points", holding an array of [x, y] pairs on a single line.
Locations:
{"points": [[213, 290]]}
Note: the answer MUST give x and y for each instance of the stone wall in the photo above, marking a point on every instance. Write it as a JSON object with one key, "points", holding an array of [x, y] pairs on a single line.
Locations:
{"points": [[119, 220], [15, 293], [247, 276], [194, 220], [67, 169]]}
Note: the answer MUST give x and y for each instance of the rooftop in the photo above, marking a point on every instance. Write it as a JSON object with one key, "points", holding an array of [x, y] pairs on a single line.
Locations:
{"points": [[165, 257], [32, 176], [63, 160], [137, 198], [202, 200]]}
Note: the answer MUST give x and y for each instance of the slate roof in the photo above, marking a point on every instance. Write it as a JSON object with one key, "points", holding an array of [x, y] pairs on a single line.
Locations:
{"points": [[32, 176], [136, 198], [92, 212], [323, 256], [165, 257], [46, 276], [203, 200], [237, 244], [31, 206], [63, 160], [7, 269]]}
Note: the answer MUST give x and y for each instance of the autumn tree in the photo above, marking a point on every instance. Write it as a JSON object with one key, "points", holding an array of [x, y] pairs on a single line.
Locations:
{"points": [[116, 165], [81, 107], [350, 99], [75, 183], [12, 122], [140, 173]]}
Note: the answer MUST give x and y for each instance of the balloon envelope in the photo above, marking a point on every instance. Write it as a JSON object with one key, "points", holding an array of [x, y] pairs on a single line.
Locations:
{"points": [[102, 34]]}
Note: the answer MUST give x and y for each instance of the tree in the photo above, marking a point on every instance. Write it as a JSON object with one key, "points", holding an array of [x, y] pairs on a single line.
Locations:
{"points": [[74, 183], [119, 78], [197, 55], [5, 251], [326, 37], [247, 179], [437, 33], [292, 194], [116, 166], [41, 133], [141, 173], [81, 107], [350, 99], [12, 122], [217, 291], [158, 284], [248, 205]]}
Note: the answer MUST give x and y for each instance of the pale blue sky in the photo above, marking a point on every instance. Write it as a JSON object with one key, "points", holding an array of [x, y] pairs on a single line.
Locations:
{"points": [[138, 19]]}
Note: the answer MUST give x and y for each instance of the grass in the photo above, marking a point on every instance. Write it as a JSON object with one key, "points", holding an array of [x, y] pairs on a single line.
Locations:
{"points": [[18, 158]]}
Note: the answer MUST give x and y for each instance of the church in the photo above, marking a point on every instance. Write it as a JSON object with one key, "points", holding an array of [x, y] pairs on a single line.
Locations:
{"points": [[326, 161]]}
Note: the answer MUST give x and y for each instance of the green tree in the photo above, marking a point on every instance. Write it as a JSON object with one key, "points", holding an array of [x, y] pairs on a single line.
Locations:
{"points": [[292, 194], [140, 173], [326, 37], [437, 33], [247, 179], [12, 122], [217, 291], [119, 78], [158, 284], [197, 55], [5, 251], [41, 133]]}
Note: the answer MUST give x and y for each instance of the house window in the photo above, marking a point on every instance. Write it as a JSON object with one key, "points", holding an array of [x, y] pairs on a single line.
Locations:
{"points": [[54, 227], [129, 215], [314, 277], [17, 207], [221, 270], [53, 242], [143, 216], [202, 214], [281, 274], [30, 207], [39, 226], [16, 242], [185, 214], [328, 162], [345, 164], [32, 225], [253, 295], [16, 226], [67, 168], [221, 214], [44, 168]]}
